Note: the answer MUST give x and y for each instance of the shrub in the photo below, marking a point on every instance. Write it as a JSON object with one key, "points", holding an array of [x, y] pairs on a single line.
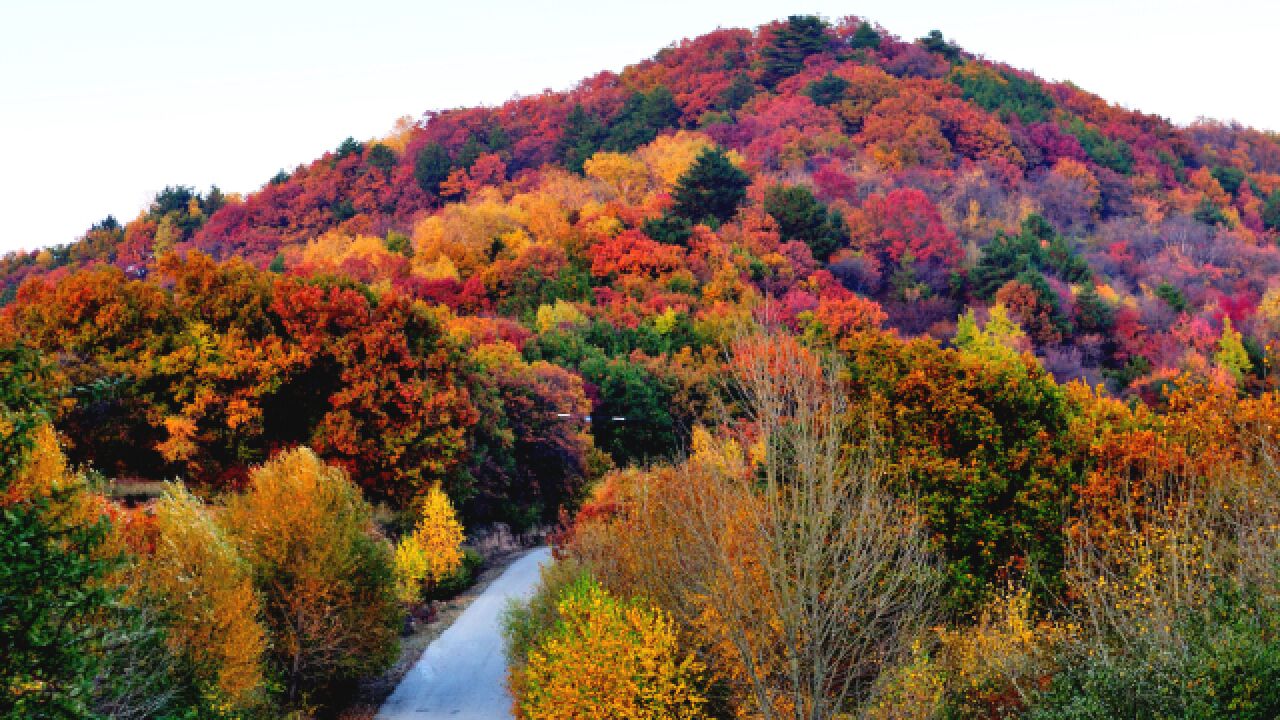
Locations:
{"points": [[608, 658], [326, 579]]}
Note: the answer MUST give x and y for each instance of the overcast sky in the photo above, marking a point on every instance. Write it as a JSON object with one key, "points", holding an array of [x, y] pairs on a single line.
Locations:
{"points": [[102, 104]]}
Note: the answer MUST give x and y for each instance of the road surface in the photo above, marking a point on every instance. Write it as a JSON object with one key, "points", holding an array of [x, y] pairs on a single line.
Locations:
{"points": [[463, 674]]}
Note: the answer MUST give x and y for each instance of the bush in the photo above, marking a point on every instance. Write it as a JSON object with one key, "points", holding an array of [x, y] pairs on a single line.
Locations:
{"points": [[326, 579], [607, 658]]}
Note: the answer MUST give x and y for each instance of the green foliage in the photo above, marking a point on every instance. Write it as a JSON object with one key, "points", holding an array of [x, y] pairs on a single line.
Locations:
{"points": [[398, 242], [1172, 295], [865, 37], [460, 579], [935, 43], [784, 56], [1229, 177], [1208, 213], [52, 577], [801, 217], [827, 90], [1271, 212], [348, 147], [1112, 154], [981, 441], [583, 133], [381, 157], [432, 167], [740, 90], [641, 119], [1093, 314], [711, 190], [1003, 92], [1036, 248], [668, 228], [1229, 669]]}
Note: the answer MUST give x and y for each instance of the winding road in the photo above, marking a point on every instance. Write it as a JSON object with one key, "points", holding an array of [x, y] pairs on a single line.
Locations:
{"points": [[463, 674]]}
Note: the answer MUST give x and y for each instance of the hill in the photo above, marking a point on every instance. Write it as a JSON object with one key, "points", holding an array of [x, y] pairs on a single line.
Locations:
{"points": [[1042, 323]]}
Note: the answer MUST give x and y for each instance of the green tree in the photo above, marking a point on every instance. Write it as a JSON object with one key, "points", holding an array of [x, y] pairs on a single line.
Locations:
{"points": [[51, 569], [784, 56], [381, 157], [865, 38], [641, 119], [801, 217], [710, 190], [938, 45], [582, 136], [1271, 212], [828, 90], [740, 90], [432, 167], [1231, 352]]}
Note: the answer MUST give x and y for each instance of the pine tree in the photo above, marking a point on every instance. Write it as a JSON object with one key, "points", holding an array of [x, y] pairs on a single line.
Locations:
{"points": [[802, 36], [711, 190]]}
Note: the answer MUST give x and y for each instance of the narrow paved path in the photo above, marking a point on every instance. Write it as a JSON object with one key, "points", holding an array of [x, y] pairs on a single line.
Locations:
{"points": [[463, 674]]}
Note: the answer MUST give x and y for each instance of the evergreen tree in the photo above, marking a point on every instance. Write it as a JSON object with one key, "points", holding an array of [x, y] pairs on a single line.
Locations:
{"points": [[1271, 213], [432, 168], [582, 137], [865, 37], [740, 90], [801, 217], [827, 91], [802, 36], [711, 190]]}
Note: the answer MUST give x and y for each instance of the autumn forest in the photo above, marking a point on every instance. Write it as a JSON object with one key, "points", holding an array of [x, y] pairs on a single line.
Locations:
{"points": [[847, 375]]}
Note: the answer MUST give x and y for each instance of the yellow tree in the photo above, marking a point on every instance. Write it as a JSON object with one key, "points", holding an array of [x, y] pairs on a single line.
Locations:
{"points": [[608, 658], [205, 591], [432, 550], [325, 575]]}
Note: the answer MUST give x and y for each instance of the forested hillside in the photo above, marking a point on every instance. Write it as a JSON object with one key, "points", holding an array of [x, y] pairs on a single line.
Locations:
{"points": [[803, 317]]}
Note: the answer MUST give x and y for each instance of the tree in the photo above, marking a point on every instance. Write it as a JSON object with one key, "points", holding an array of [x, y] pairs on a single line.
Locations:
{"points": [[581, 138], [792, 42], [642, 117], [1231, 352], [54, 570], [865, 37], [1271, 213], [608, 658], [935, 43], [204, 592], [432, 550], [432, 167], [801, 217], [711, 190], [327, 582], [381, 157], [828, 90]]}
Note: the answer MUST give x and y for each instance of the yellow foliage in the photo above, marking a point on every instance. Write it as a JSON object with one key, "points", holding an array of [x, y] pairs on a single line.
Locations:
{"points": [[625, 177], [551, 317], [204, 588], [608, 659], [401, 133], [325, 574], [465, 231], [433, 550], [669, 156]]}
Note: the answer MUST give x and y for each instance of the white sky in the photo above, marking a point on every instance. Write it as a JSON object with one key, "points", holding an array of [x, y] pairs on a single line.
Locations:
{"points": [[102, 103]]}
